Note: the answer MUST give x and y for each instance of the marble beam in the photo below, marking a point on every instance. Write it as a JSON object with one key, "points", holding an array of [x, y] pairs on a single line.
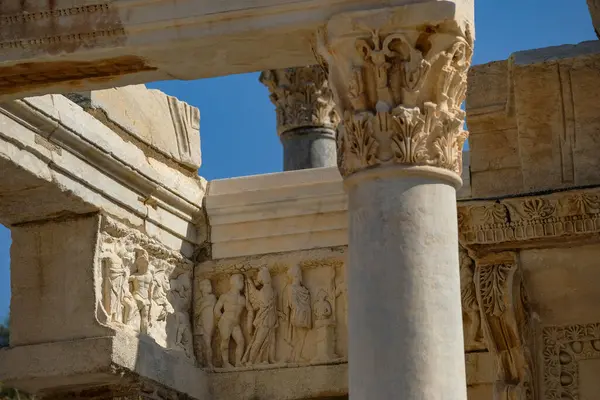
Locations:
{"points": [[63, 46], [399, 78]]}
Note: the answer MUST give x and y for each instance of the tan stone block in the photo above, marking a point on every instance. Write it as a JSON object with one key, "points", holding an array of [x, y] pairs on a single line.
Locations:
{"points": [[496, 182], [52, 281], [122, 359], [488, 88], [562, 285], [166, 124], [494, 150], [282, 384]]}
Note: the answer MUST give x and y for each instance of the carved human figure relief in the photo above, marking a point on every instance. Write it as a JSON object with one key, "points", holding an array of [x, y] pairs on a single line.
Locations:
{"points": [[142, 281], [118, 301], [205, 323], [325, 327], [262, 319], [470, 306], [228, 312], [297, 311], [179, 328], [159, 296]]}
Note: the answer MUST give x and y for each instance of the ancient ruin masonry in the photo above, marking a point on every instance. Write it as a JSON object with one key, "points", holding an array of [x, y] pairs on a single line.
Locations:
{"points": [[401, 267]]}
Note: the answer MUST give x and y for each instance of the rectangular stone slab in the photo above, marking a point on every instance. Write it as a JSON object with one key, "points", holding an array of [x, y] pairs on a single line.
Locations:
{"points": [[57, 46]]}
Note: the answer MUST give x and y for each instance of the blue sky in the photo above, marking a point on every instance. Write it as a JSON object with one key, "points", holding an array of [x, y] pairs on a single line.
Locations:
{"points": [[237, 124]]}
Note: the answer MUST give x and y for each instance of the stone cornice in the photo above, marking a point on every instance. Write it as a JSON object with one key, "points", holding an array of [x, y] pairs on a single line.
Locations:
{"points": [[572, 214], [102, 168]]}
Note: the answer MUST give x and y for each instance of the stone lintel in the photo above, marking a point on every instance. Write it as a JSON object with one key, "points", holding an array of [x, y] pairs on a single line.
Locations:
{"points": [[123, 42], [123, 360]]}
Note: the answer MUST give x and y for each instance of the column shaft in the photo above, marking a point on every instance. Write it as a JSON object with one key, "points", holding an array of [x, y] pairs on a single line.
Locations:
{"points": [[399, 78], [405, 335]]}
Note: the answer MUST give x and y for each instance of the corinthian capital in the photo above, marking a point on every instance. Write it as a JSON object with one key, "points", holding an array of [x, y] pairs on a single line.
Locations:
{"points": [[399, 84], [302, 98]]}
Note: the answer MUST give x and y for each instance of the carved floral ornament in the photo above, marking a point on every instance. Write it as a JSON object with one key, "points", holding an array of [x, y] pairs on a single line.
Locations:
{"points": [[526, 218], [400, 94], [564, 347], [506, 324], [302, 98]]}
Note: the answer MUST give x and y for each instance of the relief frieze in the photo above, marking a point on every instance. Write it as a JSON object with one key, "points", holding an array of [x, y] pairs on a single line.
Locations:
{"points": [[270, 313], [146, 288]]}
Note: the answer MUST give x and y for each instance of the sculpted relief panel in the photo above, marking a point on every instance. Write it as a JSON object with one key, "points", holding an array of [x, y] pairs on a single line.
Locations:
{"points": [[145, 287], [255, 313]]}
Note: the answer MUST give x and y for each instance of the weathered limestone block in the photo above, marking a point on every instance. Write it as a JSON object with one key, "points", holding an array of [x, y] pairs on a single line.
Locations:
{"points": [[104, 298], [59, 160], [166, 124], [534, 121], [51, 300]]}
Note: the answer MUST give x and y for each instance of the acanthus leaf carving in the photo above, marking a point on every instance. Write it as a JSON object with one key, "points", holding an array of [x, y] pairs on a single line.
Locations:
{"points": [[410, 85], [506, 322], [302, 98]]}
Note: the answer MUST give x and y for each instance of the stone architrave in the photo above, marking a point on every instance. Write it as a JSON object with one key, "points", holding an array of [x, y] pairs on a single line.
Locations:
{"points": [[306, 116], [399, 77]]}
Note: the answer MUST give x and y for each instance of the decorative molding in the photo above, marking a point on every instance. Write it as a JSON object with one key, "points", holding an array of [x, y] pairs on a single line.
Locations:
{"points": [[506, 323], [555, 215], [186, 121], [146, 287], [470, 304], [302, 98], [564, 347], [24, 17], [400, 94]]}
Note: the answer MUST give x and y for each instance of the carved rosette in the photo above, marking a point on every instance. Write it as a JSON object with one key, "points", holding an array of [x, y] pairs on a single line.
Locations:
{"points": [[507, 325], [302, 98], [400, 93]]}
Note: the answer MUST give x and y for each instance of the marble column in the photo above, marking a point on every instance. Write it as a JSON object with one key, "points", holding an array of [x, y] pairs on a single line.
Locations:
{"points": [[399, 77], [306, 116]]}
